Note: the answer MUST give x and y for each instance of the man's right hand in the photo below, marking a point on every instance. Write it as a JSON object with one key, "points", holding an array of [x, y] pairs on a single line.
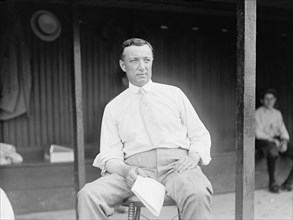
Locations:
{"points": [[130, 174]]}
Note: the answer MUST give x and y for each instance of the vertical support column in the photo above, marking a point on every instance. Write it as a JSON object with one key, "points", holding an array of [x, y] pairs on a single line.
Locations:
{"points": [[78, 128], [245, 93]]}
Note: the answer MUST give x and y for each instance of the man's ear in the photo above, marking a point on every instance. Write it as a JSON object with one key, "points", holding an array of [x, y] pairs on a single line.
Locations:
{"points": [[261, 101], [122, 65]]}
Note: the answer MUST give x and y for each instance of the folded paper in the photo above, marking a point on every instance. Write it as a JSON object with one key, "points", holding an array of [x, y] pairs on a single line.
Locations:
{"points": [[150, 192], [59, 154]]}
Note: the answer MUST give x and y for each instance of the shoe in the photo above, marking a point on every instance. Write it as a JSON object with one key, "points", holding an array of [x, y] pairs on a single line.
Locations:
{"points": [[287, 186], [274, 187]]}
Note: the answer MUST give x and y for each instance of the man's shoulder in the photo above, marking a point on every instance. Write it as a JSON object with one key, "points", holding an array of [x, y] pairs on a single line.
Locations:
{"points": [[166, 87], [259, 109], [277, 112], [260, 112], [118, 100]]}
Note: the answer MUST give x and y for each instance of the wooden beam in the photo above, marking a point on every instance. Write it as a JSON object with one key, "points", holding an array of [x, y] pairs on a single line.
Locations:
{"points": [[78, 127], [245, 93]]}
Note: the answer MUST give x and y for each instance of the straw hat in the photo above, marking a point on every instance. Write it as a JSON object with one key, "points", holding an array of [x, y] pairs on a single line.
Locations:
{"points": [[45, 25]]}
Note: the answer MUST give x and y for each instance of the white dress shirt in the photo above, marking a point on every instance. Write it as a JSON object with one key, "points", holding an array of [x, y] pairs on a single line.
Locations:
{"points": [[123, 133], [269, 124]]}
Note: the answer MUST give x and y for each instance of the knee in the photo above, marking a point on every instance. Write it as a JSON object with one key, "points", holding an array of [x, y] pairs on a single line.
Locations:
{"points": [[86, 192], [83, 193], [201, 193], [194, 191], [198, 196], [273, 154]]}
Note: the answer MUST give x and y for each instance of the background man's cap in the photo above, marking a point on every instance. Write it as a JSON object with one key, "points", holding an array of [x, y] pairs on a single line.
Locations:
{"points": [[45, 25], [269, 91]]}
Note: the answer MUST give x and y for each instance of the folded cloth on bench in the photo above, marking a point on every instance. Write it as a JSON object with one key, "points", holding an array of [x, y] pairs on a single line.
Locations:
{"points": [[8, 154]]}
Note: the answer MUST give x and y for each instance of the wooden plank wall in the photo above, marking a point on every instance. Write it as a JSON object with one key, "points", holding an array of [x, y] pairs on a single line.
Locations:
{"points": [[203, 67], [275, 66], [201, 62], [48, 120]]}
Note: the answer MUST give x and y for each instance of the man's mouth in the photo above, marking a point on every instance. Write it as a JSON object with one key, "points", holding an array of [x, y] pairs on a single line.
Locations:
{"points": [[141, 74]]}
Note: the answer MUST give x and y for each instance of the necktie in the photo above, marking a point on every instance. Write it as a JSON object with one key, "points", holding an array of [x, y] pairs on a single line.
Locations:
{"points": [[148, 117]]}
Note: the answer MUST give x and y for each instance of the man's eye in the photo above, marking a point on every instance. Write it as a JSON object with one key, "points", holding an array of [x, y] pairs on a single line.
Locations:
{"points": [[147, 60]]}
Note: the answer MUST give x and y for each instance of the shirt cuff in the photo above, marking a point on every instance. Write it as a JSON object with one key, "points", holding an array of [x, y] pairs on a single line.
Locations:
{"points": [[101, 160]]}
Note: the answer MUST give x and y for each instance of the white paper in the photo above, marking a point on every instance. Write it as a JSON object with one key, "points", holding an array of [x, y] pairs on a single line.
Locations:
{"points": [[150, 192]]}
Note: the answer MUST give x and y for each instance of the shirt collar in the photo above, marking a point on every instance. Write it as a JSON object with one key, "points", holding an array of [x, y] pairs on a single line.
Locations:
{"points": [[267, 109], [148, 87]]}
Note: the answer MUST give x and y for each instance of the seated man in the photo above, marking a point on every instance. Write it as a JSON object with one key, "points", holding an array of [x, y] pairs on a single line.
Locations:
{"points": [[272, 137], [149, 129]]}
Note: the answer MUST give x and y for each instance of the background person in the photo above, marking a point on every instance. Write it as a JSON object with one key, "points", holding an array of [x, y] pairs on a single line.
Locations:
{"points": [[272, 137]]}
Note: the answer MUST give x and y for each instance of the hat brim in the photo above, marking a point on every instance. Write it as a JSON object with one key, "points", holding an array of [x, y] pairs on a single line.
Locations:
{"points": [[38, 32]]}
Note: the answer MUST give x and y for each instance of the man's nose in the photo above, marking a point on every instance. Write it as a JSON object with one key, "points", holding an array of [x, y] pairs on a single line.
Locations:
{"points": [[141, 65]]}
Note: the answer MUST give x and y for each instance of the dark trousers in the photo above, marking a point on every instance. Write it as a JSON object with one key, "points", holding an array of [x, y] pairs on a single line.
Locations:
{"points": [[270, 151]]}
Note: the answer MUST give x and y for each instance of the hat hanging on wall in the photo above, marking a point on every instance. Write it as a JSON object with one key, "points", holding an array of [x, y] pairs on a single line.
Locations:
{"points": [[45, 25]]}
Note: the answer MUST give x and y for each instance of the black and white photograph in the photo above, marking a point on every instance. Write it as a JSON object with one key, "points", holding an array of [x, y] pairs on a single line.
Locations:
{"points": [[146, 109]]}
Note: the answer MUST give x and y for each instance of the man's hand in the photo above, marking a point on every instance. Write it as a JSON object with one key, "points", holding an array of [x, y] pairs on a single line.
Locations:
{"points": [[283, 146], [277, 142], [130, 174], [186, 163]]}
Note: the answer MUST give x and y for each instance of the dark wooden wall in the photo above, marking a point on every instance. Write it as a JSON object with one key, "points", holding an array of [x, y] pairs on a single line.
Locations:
{"points": [[201, 62], [48, 120], [275, 66]]}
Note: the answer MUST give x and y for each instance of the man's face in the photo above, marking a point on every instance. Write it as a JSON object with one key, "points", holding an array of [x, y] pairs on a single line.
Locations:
{"points": [[137, 63], [269, 100]]}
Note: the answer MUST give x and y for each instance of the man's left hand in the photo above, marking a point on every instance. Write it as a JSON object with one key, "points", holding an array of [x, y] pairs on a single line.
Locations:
{"points": [[186, 163], [283, 146]]}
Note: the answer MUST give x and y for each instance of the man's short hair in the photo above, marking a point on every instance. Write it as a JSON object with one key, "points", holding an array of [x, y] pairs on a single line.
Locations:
{"points": [[135, 42], [269, 91]]}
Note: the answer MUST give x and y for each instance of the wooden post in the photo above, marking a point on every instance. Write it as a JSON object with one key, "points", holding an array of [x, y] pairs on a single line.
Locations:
{"points": [[78, 128], [245, 93]]}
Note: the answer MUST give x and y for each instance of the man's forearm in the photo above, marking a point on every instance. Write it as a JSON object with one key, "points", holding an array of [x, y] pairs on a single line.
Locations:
{"points": [[128, 172], [116, 166]]}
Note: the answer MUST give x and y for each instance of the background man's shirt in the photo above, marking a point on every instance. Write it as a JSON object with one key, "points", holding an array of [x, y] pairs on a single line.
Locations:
{"points": [[123, 133], [270, 124]]}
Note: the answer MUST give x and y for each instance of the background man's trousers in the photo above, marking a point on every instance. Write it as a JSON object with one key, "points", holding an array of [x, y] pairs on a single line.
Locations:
{"points": [[191, 190]]}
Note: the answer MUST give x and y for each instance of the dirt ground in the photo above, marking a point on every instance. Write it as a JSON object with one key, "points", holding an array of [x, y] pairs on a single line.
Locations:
{"points": [[267, 206]]}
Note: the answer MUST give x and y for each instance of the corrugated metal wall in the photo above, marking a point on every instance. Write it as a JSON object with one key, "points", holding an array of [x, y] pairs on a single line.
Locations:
{"points": [[201, 62], [48, 120]]}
